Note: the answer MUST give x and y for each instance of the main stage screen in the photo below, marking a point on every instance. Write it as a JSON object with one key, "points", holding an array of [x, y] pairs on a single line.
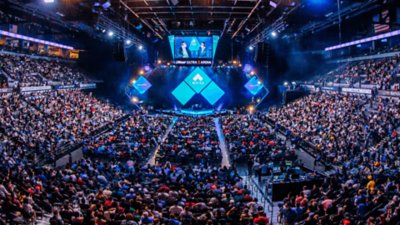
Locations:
{"points": [[193, 50], [193, 47]]}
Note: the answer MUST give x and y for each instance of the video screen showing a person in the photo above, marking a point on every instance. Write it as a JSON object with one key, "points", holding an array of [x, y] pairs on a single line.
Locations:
{"points": [[183, 51], [203, 51]]}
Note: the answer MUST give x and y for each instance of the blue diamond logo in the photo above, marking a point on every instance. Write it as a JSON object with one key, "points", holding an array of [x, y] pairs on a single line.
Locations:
{"points": [[198, 80], [194, 45], [183, 93], [254, 85], [142, 85], [212, 93]]}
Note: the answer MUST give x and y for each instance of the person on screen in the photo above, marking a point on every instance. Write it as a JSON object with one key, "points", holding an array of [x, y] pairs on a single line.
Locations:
{"points": [[202, 51], [184, 51]]}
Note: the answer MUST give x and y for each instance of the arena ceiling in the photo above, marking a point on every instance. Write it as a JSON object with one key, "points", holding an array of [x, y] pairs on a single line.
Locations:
{"points": [[217, 17]]}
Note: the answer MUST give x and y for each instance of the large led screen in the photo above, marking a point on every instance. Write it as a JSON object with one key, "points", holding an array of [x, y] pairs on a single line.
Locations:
{"points": [[196, 49]]}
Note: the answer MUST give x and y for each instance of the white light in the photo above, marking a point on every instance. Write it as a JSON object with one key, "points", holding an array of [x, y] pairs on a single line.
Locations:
{"points": [[110, 33], [128, 42], [48, 1], [251, 48], [286, 83], [274, 34], [140, 47]]}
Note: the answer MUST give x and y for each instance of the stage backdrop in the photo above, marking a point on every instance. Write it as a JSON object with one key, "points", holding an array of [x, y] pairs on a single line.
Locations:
{"points": [[199, 87]]}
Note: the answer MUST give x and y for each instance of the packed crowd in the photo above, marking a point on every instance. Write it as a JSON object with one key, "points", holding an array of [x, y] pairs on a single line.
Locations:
{"points": [[340, 126], [31, 71], [192, 140], [255, 144], [21, 68], [382, 72], [3, 81], [114, 185], [115, 192], [45, 122], [134, 138], [359, 135]]}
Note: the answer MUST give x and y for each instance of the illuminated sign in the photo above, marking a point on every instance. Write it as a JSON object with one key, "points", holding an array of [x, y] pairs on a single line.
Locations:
{"points": [[200, 83]]}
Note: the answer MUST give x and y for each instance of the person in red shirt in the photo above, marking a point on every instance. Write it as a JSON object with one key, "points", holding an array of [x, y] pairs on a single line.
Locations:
{"points": [[261, 219]]}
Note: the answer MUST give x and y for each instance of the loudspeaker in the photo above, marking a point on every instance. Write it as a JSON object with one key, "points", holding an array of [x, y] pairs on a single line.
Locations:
{"points": [[119, 51]]}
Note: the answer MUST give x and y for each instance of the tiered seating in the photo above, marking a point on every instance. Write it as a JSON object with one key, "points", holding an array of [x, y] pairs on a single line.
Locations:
{"points": [[134, 138], [31, 71], [44, 122], [192, 140], [382, 72], [21, 68]]}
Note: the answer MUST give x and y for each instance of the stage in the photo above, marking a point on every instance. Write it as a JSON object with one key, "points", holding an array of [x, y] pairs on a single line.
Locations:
{"points": [[189, 112]]}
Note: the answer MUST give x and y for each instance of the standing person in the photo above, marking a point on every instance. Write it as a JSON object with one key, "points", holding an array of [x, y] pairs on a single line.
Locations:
{"points": [[183, 51], [202, 51], [287, 215]]}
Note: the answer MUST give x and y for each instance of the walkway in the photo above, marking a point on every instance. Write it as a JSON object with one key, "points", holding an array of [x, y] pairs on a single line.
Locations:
{"points": [[222, 143], [152, 160]]}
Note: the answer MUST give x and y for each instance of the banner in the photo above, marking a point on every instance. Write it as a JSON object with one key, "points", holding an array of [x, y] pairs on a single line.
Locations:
{"points": [[330, 88], [87, 86], [70, 86], [5, 90], [390, 93], [36, 88], [357, 91]]}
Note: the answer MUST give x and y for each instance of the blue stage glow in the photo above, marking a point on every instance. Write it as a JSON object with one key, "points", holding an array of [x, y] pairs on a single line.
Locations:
{"points": [[212, 93], [215, 44], [254, 85], [318, 2], [142, 85], [197, 113], [183, 93], [171, 40], [247, 68], [197, 80]]}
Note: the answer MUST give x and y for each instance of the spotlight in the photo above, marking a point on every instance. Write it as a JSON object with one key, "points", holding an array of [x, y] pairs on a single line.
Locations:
{"points": [[251, 108], [251, 48], [128, 42], [48, 1], [286, 83], [274, 34], [234, 62], [110, 33], [159, 61], [141, 72], [104, 30], [133, 81], [252, 73], [135, 99], [140, 47]]}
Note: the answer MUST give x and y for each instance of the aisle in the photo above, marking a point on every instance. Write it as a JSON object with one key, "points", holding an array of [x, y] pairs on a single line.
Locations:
{"points": [[222, 143], [152, 160]]}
